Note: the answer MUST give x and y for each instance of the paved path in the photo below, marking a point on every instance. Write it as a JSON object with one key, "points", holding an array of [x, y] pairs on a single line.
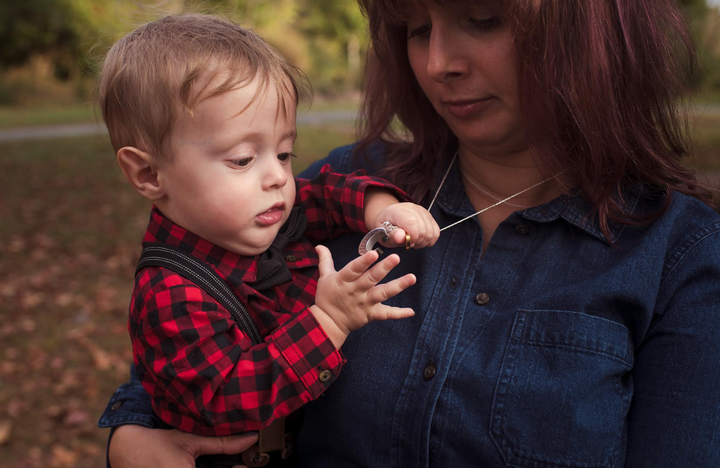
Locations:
{"points": [[80, 129]]}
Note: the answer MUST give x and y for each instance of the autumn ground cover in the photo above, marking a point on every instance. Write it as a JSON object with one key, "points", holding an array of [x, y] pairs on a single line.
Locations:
{"points": [[69, 238]]}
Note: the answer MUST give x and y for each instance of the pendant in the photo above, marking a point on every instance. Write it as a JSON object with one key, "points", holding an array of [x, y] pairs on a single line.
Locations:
{"points": [[380, 234]]}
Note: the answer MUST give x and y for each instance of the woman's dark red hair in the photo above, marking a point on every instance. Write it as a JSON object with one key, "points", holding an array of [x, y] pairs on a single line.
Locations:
{"points": [[600, 85]]}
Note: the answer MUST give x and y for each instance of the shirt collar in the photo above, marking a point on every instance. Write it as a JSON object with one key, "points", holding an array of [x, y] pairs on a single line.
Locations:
{"points": [[232, 267], [571, 207]]}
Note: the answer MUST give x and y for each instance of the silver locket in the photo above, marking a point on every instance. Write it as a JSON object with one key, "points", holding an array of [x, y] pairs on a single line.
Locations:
{"points": [[372, 238]]}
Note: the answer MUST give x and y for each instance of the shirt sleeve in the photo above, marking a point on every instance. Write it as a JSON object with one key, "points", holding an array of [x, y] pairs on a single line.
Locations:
{"points": [[334, 203], [674, 419], [203, 373]]}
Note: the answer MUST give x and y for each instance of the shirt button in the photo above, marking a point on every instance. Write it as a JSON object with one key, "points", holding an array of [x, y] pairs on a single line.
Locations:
{"points": [[453, 282], [429, 372], [482, 298], [290, 258], [325, 376], [522, 229], [116, 406]]}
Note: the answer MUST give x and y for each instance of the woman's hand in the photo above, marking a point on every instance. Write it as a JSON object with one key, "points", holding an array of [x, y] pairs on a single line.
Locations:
{"points": [[133, 446]]}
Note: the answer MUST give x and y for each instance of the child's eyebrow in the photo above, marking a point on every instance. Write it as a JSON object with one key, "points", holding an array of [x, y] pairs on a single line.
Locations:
{"points": [[290, 134]]}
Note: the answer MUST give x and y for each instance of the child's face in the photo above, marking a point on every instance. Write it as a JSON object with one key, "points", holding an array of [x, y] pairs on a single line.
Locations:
{"points": [[230, 179]]}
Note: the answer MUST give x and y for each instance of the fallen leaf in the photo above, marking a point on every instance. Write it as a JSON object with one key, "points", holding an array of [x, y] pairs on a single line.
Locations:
{"points": [[57, 363], [54, 411], [16, 245], [62, 457], [64, 299], [12, 353], [8, 289], [16, 407], [76, 418], [30, 300], [5, 431], [8, 368], [101, 359]]}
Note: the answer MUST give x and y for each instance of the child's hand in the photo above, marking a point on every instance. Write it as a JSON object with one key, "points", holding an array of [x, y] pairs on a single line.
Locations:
{"points": [[351, 298], [413, 220]]}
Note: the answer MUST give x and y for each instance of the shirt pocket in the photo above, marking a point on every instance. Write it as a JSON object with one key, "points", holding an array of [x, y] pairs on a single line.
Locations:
{"points": [[564, 390]]}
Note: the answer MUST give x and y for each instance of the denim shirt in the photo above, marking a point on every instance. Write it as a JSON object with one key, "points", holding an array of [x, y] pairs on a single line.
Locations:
{"points": [[558, 347]]}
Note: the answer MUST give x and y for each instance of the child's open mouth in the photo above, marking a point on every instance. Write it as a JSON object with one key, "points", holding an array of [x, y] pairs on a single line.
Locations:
{"points": [[272, 216]]}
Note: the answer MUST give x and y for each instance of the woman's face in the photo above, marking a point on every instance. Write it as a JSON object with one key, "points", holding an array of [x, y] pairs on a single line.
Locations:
{"points": [[464, 60]]}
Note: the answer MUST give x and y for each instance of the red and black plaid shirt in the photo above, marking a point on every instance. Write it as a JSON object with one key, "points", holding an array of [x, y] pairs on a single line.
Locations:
{"points": [[202, 372]]}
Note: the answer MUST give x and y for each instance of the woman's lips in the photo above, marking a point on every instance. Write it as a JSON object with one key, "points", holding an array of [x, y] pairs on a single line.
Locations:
{"points": [[272, 216], [466, 108]]}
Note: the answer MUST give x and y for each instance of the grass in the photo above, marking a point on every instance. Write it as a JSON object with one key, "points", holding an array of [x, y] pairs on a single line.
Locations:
{"points": [[69, 237], [18, 116], [24, 117]]}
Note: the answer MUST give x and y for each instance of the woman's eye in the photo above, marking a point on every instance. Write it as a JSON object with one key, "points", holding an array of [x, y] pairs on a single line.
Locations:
{"points": [[421, 31], [242, 162], [486, 24], [285, 156]]}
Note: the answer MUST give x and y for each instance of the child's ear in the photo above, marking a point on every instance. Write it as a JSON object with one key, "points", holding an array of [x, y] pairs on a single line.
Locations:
{"points": [[138, 167]]}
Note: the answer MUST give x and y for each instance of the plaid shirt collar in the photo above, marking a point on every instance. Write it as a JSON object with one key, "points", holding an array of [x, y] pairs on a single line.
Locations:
{"points": [[232, 267]]}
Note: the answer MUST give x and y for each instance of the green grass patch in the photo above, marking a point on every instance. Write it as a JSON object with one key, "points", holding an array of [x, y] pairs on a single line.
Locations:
{"points": [[24, 117], [18, 116]]}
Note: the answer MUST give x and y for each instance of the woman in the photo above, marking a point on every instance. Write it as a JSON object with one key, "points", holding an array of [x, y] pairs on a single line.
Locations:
{"points": [[573, 325]]}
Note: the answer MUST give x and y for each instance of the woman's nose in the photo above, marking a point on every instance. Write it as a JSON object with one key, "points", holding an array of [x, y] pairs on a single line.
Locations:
{"points": [[445, 55]]}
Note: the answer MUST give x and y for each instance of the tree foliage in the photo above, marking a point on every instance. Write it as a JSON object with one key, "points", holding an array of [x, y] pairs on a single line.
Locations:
{"points": [[326, 38]]}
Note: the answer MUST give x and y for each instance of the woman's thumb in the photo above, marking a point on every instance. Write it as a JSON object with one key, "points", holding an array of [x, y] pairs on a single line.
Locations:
{"points": [[225, 445]]}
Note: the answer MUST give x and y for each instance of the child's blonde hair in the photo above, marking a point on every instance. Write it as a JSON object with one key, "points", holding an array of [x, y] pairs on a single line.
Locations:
{"points": [[149, 76]]}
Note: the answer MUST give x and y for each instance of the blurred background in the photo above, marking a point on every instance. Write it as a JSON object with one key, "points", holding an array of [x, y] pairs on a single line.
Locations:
{"points": [[70, 225]]}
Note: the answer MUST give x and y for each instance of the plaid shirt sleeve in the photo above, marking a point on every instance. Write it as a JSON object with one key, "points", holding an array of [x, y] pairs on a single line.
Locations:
{"points": [[334, 202], [203, 373]]}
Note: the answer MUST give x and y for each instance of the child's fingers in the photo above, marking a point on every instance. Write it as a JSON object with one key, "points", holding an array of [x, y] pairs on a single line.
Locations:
{"points": [[382, 292], [383, 312], [326, 266], [428, 234], [398, 236], [379, 271], [435, 232], [353, 270]]}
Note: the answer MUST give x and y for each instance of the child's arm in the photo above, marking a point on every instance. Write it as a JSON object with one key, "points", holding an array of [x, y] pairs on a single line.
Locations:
{"points": [[204, 374], [206, 377], [335, 203]]}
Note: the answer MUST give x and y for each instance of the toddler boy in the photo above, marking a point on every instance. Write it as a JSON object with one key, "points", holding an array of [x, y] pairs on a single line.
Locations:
{"points": [[201, 114]]}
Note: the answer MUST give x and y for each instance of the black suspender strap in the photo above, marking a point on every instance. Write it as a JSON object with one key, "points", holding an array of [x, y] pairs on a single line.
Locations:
{"points": [[201, 274]]}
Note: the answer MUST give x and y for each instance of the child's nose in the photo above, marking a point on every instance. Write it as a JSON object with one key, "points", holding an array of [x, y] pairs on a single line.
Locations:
{"points": [[276, 175]]}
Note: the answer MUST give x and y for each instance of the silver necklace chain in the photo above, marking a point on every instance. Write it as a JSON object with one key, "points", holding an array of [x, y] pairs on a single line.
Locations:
{"points": [[490, 194], [382, 233], [500, 202]]}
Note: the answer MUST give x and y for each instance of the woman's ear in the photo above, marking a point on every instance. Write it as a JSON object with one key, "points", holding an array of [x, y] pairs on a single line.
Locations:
{"points": [[141, 171]]}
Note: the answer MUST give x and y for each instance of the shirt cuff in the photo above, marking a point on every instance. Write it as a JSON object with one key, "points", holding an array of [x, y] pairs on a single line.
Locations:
{"points": [[356, 196], [130, 404], [309, 352]]}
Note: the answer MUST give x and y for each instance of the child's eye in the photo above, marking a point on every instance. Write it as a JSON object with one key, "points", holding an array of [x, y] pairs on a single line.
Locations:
{"points": [[242, 162], [285, 156]]}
